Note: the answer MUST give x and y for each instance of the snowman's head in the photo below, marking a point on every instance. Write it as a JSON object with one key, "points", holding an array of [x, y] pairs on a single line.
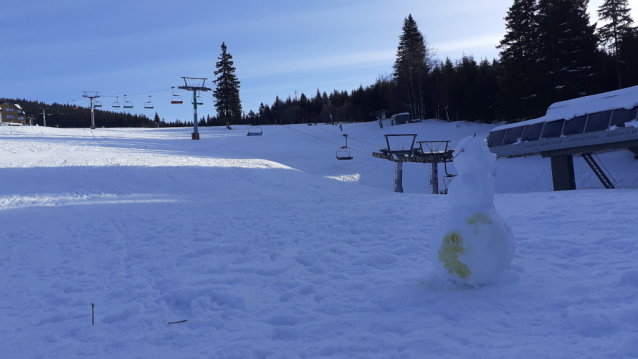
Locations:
{"points": [[472, 155]]}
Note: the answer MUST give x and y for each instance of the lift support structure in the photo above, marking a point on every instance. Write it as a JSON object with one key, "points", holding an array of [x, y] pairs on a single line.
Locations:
{"points": [[432, 152]]}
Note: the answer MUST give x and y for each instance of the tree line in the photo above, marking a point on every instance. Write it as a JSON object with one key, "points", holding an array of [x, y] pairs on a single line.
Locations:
{"points": [[550, 52], [66, 115]]}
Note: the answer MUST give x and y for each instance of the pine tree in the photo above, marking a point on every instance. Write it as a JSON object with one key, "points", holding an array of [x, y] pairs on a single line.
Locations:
{"points": [[628, 54], [412, 67], [518, 62], [618, 27], [568, 50], [228, 104]]}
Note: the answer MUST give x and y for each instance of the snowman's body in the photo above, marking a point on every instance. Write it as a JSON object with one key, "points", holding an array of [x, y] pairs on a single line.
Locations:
{"points": [[473, 243]]}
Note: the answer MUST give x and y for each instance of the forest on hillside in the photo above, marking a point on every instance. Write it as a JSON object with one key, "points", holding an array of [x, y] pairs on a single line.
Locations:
{"points": [[65, 115]]}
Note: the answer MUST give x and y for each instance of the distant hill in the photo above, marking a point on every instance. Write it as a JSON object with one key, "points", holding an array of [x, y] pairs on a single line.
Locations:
{"points": [[63, 115]]}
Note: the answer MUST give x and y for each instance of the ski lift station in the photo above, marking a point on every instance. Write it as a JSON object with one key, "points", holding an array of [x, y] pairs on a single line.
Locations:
{"points": [[583, 126]]}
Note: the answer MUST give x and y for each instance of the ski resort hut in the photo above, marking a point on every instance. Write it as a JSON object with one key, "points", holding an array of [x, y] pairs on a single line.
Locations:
{"points": [[401, 118], [11, 114]]}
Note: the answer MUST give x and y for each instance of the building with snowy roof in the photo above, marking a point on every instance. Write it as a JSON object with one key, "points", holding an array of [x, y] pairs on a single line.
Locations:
{"points": [[11, 114], [401, 118], [581, 126]]}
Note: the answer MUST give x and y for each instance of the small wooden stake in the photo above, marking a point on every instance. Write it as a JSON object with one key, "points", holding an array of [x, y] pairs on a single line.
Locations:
{"points": [[93, 313]]}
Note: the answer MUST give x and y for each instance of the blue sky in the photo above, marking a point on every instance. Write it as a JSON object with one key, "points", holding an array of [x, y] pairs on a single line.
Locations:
{"points": [[55, 50]]}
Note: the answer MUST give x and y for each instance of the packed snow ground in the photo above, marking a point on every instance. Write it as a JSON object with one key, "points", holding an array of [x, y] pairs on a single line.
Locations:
{"points": [[271, 248]]}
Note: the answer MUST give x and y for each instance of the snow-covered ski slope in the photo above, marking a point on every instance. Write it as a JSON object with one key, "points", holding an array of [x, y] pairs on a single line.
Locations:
{"points": [[271, 248]]}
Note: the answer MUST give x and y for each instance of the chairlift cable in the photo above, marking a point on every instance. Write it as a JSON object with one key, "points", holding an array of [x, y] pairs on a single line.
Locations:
{"points": [[144, 93], [252, 104], [323, 139], [352, 138]]}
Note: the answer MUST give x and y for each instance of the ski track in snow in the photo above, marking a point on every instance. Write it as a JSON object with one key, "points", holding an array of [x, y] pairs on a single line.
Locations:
{"points": [[271, 248]]}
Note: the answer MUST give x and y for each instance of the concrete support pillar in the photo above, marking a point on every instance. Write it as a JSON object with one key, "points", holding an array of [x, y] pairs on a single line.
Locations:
{"points": [[398, 178], [563, 176], [434, 178]]}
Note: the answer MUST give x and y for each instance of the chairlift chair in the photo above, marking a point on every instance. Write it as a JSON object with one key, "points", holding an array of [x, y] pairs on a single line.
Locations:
{"points": [[255, 130], [447, 179], [97, 103], [148, 104], [343, 153], [176, 99], [116, 104], [75, 107], [199, 99], [127, 104]]}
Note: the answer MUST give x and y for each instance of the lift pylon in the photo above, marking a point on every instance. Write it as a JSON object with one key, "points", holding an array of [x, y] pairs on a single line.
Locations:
{"points": [[92, 95], [432, 152], [195, 84]]}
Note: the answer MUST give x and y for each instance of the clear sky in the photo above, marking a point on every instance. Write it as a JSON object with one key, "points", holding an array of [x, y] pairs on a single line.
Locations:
{"points": [[53, 50]]}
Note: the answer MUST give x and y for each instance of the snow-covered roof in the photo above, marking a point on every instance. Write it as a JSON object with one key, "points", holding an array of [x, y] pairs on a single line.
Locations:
{"points": [[17, 106], [624, 98]]}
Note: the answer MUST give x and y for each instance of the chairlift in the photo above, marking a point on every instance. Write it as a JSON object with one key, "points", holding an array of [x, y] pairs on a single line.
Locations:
{"points": [[97, 103], [447, 179], [127, 104], [343, 153], [75, 107], [148, 104], [199, 99], [176, 99], [116, 104], [255, 130]]}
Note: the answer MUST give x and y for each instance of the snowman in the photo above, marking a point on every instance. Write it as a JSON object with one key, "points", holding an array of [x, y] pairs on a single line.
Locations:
{"points": [[473, 243]]}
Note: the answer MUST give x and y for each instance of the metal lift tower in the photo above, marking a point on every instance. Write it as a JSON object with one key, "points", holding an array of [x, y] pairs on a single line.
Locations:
{"points": [[44, 116], [92, 95], [435, 152], [194, 84]]}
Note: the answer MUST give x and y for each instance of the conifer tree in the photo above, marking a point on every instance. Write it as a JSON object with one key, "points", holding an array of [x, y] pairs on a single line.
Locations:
{"points": [[412, 67], [519, 71], [628, 54], [228, 104], [568, 50], [616, 12]]}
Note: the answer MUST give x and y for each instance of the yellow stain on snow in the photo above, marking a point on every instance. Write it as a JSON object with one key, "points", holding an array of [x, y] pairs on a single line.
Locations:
{"points": [[478, 218], [449, 251]]}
